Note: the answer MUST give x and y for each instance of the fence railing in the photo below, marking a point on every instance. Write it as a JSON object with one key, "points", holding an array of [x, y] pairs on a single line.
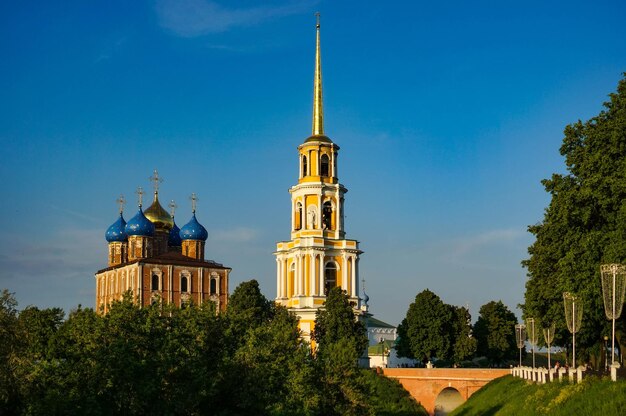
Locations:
{"points": [[543, 375]]}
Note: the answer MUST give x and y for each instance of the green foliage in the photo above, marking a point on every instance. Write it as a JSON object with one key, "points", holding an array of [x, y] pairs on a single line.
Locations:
{"points": [[583, 227], [387, 397], [341, 339], [495, 332], [163, 360], [426, 331], [337, 322], [11, 342], [465, 344], [510, 396]]}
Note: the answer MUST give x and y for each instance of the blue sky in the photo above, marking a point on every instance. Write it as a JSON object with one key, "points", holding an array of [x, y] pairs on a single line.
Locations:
{"points": [[448, 116]]}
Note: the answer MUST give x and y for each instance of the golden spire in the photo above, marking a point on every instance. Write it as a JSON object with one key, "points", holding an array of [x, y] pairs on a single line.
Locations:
{"points": [[318, 111]]}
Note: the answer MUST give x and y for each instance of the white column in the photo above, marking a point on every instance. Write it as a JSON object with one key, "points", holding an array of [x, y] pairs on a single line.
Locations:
{"points": [[201, 283], [344, 272], [298, 277], [320, 289], [282, 292], [285, 274], [303, 273], [170, 293], [354, 291], [312, 274], [277, 277]]}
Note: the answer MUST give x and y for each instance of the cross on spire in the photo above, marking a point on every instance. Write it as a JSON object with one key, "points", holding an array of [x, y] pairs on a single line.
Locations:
{"points": [[156, 180], [194, 201], [317, 15], [140, 192], [121, 201], [172, 205]]}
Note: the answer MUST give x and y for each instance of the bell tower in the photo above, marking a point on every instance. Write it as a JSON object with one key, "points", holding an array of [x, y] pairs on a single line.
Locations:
{"points": [[318, 256]]}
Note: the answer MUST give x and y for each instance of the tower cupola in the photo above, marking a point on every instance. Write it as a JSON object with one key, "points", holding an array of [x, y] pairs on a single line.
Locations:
{"points": [[140, 233], [193, 230], [139, 225], [155, 212], [117, 237], [116, 232], [193, 234]]}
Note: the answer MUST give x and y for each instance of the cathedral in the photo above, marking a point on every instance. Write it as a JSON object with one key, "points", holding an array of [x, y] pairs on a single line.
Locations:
{"points": [[158, 262], [318, 256]]}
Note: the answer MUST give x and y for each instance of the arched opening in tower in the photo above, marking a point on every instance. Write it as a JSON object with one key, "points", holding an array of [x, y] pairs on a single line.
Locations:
{"points": [[330, 277], [324, 165]]}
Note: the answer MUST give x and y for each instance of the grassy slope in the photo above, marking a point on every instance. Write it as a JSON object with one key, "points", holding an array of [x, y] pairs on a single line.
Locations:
{"points": [[514, 396]]}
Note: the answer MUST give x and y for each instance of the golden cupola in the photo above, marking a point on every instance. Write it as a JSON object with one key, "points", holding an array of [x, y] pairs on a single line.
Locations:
{"points": [[158, 215], [155, 212]]}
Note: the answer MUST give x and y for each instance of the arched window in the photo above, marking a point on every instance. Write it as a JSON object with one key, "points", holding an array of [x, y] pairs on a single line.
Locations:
{"points": [[330, 277], [327, 215], [298, 215], [213, 288], [305, 167], [184, 284], [324, 165], [155, 281]]}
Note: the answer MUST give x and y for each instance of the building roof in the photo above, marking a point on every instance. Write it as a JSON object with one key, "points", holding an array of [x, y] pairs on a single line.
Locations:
{"points": [[170, 258], [377, 323]]}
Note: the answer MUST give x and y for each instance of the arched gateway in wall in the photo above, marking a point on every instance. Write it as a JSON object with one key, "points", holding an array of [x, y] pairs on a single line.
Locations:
{"points": [[440, 390], [448, 400]]}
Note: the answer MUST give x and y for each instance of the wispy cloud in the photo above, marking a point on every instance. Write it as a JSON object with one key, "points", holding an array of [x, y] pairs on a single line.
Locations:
{"points": [[467, 245], [236, 235], [190, 18], [75, 214], [53, 272]]}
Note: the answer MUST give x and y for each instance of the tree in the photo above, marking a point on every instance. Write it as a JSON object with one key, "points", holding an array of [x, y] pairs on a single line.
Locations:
{"points": [[464, 344], [495, 332], [341, 339], [426, 330], [337, 321], [583, 226], [11, 344]]}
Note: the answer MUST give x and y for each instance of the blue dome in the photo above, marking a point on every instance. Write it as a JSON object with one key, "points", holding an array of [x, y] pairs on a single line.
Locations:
{"points": [[193, 230], [140, 225], [174, 239], [116, 232]]}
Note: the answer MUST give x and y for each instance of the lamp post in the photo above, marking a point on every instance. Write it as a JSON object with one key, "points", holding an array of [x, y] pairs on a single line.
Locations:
{"points": [[548, 335], [613, 285], [520, 337], [606, 353], [533, 337], [574, 318]]}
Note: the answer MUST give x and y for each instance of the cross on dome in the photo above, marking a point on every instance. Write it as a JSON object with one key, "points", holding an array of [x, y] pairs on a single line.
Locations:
{"points": [[156, 179], [121, 201], [140, 192], [194, 202], [172, 206]]}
